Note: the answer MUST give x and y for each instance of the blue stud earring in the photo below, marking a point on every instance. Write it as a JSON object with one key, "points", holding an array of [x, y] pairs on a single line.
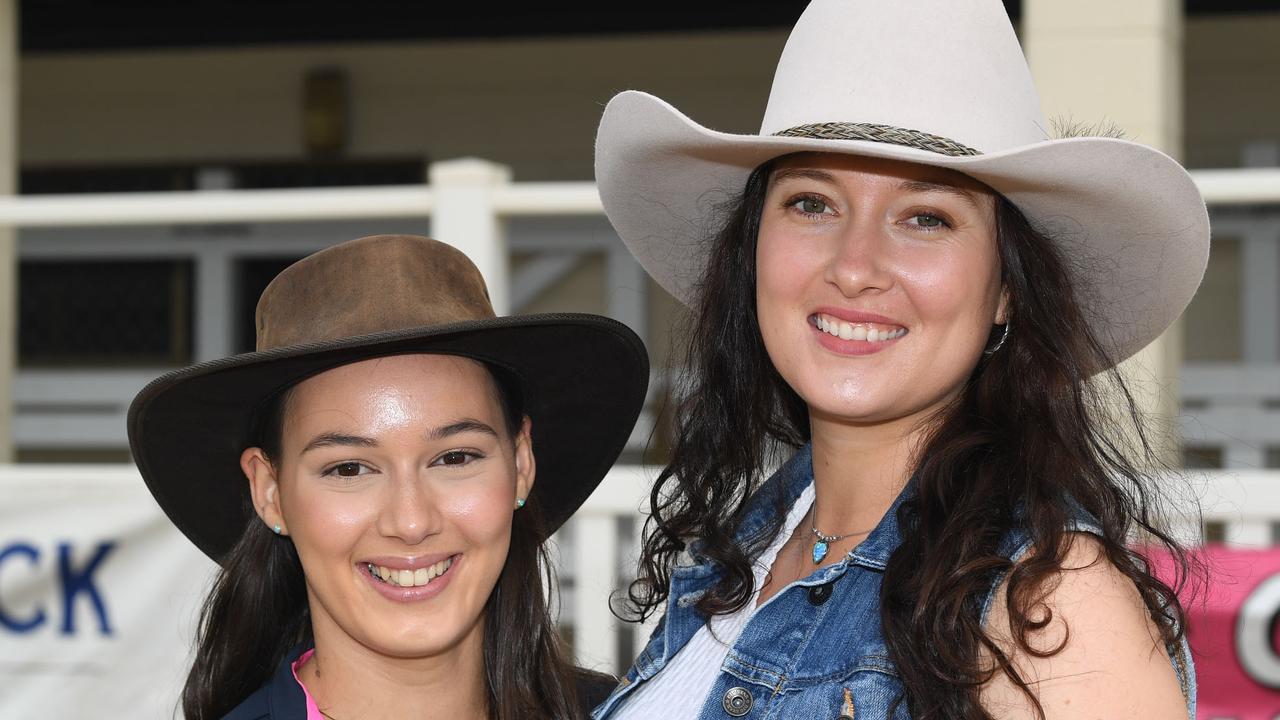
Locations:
{"points": [[276, 529], [519, 503]]}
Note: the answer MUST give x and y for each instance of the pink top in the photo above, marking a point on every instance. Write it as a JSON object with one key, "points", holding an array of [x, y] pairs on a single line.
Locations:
{"points": [[313, 712]]}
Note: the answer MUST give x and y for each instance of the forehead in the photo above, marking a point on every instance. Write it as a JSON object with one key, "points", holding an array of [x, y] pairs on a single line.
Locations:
{"points": [[434, 384], [838, 165]]}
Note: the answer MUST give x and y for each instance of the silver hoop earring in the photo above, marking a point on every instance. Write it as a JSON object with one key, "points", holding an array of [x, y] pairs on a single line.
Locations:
{"points": [[1003, 336]]}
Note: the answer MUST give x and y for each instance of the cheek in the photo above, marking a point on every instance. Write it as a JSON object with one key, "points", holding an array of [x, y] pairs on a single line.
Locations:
{"points": [[327, 522], [781, 278], [482, 513], [962, 287]]}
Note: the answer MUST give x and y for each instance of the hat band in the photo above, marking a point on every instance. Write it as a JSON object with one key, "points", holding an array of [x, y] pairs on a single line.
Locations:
{"points": [[881, 134]]}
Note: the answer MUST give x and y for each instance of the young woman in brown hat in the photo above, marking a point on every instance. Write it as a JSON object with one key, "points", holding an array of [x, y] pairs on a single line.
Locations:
{"points": [[912, 299], [377, 482]]}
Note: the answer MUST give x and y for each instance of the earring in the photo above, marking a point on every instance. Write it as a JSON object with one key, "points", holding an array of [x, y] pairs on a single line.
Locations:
{"points": [[1003, 336], [519, 503], [275, 529]]}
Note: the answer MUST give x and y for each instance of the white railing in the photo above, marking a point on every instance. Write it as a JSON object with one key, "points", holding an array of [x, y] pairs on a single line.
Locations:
{"points": [[1234, 186], [1238, 186], [466, 201]]}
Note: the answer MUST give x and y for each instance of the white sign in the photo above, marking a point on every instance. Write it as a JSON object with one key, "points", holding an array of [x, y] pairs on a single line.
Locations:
{"points": [[98, 596]]}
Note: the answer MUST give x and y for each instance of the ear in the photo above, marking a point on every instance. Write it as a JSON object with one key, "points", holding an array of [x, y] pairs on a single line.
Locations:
{"points": [[1002, 308], [263, 487], [525, 467]]}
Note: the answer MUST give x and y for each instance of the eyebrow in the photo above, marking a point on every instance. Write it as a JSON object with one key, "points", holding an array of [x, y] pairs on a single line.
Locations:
{"points": [[926, 186], [462, 426], [337, 439], [802, 173], [333, 439]]}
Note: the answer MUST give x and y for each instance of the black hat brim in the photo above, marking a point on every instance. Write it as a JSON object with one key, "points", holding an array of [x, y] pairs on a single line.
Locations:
{"points": [[583, 379]]}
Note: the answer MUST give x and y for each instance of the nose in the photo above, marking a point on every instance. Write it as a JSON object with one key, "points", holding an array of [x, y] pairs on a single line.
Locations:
{"points": [[410, 511], [858, 258]]}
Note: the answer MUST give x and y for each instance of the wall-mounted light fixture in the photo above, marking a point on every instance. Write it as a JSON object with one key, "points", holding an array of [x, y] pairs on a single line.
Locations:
{"points": [[325, 112]]}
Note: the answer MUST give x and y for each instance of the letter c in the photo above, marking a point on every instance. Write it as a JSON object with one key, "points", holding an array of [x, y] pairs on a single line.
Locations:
{"points": [[37, 618]]}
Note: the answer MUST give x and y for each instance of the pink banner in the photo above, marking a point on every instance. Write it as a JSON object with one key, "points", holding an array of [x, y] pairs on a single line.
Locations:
{"points": [[1233, 624]]}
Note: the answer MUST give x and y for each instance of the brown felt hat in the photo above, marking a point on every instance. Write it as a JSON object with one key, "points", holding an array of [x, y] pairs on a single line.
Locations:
{"points": [[582, 377]]}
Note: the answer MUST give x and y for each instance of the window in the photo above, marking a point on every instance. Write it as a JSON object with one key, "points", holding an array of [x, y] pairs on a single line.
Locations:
{"points": [[104, 313], [1201, 457], [1271, 458]]}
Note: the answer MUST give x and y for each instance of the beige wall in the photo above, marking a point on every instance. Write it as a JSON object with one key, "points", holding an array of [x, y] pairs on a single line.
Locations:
{"points": [[531, 104], [534, 105]]}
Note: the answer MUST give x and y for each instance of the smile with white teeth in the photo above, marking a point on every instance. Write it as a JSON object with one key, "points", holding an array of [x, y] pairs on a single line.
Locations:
{"points": [[409, 578], [870, 332]]}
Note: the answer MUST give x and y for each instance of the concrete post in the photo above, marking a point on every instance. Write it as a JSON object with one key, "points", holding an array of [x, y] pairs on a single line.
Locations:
{"points": [[1106, 62], [466, 218], [8, 236]]}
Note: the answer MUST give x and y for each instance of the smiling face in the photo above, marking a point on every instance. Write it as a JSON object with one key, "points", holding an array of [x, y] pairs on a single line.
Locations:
{"points": [[396, 482], [878, 283]]}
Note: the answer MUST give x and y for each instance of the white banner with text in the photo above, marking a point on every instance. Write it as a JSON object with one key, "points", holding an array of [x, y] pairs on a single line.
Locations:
{"points": [[98, 595]]}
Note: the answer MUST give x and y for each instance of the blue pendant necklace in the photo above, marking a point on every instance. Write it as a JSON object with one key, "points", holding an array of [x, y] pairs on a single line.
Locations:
{"points": [[824, 542]]}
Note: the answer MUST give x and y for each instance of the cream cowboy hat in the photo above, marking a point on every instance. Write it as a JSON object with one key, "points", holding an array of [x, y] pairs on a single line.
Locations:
{"points": [[936, 82]]}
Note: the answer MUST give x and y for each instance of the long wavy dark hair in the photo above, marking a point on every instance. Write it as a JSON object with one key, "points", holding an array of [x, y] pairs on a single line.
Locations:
{"points": [[1030, 433], [257, 610]]}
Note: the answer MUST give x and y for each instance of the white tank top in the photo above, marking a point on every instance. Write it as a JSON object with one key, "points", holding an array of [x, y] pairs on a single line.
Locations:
{"points": [[679, 691]]}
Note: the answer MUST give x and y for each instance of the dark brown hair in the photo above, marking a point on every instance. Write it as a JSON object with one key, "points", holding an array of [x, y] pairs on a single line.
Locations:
{"points": [[257, 610], [1029, 437]]}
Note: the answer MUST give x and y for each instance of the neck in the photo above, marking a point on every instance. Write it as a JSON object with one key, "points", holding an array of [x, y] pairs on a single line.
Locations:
{"points": [[859, 470], [349, 680]]}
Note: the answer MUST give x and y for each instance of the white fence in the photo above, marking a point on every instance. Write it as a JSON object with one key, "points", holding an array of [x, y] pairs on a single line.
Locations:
{"points": [[467, 202]]}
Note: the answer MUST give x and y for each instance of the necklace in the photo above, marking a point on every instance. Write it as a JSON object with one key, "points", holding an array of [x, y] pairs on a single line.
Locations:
{"points": [[823, 543]]}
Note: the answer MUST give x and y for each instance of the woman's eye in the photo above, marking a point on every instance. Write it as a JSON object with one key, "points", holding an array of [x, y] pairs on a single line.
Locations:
{"points": [[348, 469], [811, 205], [929, 221], [456, 457]]}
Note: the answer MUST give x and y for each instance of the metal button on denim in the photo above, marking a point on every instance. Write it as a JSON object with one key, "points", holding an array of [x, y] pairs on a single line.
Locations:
{"points": [[737, 701], [819, 594]]}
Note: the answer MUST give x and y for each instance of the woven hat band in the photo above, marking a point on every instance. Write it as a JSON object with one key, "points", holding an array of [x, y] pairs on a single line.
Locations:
{"points": [[879, 133]]}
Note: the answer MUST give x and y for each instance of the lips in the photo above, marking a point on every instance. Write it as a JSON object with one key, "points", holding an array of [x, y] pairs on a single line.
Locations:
{"points": [[409, 577], [857, 329]]}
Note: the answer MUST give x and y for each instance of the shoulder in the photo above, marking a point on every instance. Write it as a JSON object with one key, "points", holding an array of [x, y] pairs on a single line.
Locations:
{"points": [[254, 707], [279, 698], [1105, 640], [593, 688]]}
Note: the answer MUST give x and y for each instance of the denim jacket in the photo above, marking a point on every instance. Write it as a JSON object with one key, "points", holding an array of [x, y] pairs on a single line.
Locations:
{"points": [[815, 650]]}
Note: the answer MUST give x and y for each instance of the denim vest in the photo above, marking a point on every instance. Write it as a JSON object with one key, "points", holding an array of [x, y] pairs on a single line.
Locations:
{"points": [[816, 649]]}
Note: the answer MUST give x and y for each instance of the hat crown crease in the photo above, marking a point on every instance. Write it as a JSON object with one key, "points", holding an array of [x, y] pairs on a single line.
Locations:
{"points": [[381, 283], [963, 79]]}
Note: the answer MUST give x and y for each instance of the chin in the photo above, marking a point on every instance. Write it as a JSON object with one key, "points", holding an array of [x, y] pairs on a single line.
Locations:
{"points": [[417, 643]]}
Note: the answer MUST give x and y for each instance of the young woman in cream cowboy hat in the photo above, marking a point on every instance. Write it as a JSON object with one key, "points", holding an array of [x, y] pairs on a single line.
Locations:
{"points": [[904, 289], [366, 480]]}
